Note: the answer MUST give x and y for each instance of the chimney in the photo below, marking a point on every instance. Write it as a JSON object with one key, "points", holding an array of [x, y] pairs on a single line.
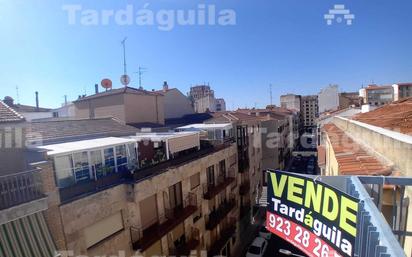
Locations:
{"points": [[165, 86], [37, 100], [96, 88]]}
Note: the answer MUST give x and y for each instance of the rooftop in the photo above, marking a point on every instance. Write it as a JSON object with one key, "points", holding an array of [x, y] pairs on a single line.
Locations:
{"points": [[351, 157], [123, 90], [395, 116], [230, 116], [59, 131], [77, 146], [7, 114], [27, 108]]}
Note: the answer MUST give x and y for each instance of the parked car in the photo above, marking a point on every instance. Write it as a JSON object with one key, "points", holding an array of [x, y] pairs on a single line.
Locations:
{"points": [[263, 232], [257, 248]]}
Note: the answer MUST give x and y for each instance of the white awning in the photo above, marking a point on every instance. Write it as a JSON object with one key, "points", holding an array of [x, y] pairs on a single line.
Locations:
{"points": [[202, 126], [84, 145], [162, 136]]}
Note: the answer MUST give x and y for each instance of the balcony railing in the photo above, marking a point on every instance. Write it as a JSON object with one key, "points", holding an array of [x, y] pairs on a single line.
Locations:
{"points": [[210, 191], [20, 188], [244, 187], [146, 236], [375, 237], [225, 234], [216, 216], [188, 245], [92, 186], [144, 173]]}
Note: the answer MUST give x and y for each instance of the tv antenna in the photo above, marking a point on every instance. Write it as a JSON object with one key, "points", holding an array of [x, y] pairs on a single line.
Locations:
{"points": [[140, 72], [124, 56], [17, 94]]}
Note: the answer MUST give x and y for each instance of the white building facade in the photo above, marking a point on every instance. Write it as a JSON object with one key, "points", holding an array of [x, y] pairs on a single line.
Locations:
{"points": [[328, 98]]}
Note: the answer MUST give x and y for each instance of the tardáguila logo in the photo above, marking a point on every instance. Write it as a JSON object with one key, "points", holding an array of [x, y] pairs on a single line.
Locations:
{"points": [[318, 219]]}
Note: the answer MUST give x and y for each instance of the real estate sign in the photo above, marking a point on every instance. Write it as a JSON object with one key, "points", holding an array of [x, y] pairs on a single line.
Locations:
{"points": [[317, 218]]}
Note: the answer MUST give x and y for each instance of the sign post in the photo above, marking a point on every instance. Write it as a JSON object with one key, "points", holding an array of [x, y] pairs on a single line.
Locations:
{"points": [[318, 219]]}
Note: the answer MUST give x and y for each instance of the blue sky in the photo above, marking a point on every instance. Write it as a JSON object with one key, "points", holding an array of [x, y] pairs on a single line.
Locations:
{"points": [[285, 43]]}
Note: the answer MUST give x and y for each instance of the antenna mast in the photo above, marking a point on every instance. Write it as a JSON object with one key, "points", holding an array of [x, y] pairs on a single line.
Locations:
{"points": [[140, 72], [270, 90], [17, 94], [124, 55]]}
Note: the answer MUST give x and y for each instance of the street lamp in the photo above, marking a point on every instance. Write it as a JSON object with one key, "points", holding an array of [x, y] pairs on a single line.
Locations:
{"points": [[287, 252]]}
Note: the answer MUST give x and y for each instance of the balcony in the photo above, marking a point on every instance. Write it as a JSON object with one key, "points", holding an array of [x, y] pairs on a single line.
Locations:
{"points": [[75, 191], [210, 191], [143, 238], [244, 187], [216, 216], [88, 187], [184, 248], [226, 233], [151, 171], [243, 165], [20, 188]]}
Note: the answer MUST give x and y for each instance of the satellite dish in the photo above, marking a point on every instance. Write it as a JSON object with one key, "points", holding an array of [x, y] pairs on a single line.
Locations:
{"points": [[125, 79], [106, 83]]}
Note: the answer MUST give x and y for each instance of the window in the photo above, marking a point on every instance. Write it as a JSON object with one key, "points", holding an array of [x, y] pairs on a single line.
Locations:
{"points": [[194, 181], [96, 162], [210, 172], [109, 161], [81, 166], [63, 166], [222, 167], [132, 157], [103, 229], [121, 158]]}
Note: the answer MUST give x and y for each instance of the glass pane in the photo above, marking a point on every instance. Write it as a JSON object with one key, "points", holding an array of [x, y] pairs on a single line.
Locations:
{"points": [[81, 166], [121, 158], [108, 162], [63, 167], [132, 156], [96, 161]]}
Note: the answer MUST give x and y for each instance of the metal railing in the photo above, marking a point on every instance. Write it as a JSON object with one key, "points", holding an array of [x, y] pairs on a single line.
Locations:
{"points": [[375, 236], [81, 189], [145, 235], [20, 188], [216, 216]]}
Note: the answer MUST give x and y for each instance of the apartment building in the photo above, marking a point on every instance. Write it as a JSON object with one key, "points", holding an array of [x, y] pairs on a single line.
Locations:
{"points": [[278, 135], [106, 188], [176, 104], [375, 95], [402, 91], [309, 110], [328, 98], [168, 207], [203, 99], [129, 105], [220, 105], [246, 131], [349, 99], [377, 143], [291, 102]]}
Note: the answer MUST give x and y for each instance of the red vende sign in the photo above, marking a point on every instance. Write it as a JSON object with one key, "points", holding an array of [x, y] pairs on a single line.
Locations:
{"points": [[299, 236]]}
